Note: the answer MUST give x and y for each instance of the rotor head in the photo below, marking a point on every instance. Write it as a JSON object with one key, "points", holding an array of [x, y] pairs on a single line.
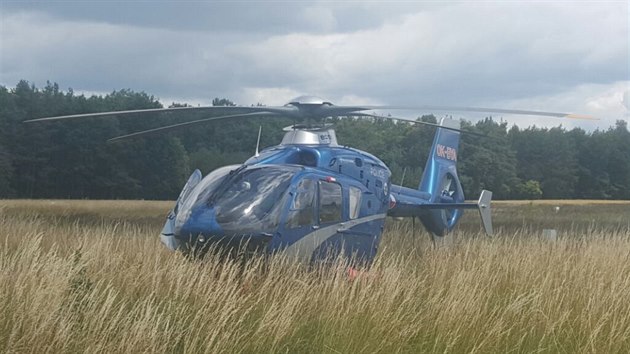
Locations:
{"points": [[308, 101]]}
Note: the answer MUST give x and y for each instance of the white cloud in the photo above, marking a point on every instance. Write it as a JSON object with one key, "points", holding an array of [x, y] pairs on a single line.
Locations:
{"points": [[548, 56], [271, 96], [484, 55], [354, 100], [602, 101]]}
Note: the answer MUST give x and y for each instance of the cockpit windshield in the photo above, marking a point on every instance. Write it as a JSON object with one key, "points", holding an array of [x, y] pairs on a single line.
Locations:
{"points": [[245, 199], [200, 193], [252, 200]]}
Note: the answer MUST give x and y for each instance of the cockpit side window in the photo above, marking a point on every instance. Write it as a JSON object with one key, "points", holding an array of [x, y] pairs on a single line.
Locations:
{"points": [[354, 195], [330, 202], [303, 205]]}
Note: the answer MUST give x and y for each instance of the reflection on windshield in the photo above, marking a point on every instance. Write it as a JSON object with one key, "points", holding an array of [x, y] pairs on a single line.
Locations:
{"points": [[200, 193], [245, 199], [253, 200]]}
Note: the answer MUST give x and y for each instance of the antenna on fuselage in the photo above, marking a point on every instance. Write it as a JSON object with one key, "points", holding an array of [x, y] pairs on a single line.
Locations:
{"points": [[402, 180], [258, 141]]}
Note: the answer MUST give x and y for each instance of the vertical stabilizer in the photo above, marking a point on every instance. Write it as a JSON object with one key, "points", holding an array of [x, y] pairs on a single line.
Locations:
{"points": [[440, 178], [440, 173], [484, 211]]}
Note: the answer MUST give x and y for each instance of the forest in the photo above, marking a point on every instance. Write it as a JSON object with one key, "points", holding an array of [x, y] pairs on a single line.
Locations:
{"points": [[71, 159]]}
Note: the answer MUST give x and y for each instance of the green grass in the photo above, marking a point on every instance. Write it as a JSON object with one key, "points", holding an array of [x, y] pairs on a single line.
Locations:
{"points": [[87, 276]]}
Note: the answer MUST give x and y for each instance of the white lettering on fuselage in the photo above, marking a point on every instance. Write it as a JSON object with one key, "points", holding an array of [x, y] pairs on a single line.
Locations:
{"points": [[324, 138], [378, 172], [446, 152]]}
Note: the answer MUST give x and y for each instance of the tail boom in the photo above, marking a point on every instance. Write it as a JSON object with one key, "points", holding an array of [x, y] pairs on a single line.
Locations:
{"points": [[405, 205]]}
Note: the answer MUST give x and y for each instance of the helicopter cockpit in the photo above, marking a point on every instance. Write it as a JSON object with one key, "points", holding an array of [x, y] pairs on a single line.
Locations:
{"points": [[253, 200], [240, 199]]}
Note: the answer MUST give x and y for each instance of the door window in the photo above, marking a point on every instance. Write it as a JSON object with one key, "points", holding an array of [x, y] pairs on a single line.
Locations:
{"points": [[303, 205], [355, 202], [329, 202]]}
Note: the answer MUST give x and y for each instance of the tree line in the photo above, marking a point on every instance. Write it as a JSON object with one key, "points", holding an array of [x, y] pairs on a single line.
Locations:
{"points": [[71, 159]]}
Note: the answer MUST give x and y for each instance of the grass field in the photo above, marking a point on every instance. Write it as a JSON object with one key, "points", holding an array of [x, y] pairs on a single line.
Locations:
{"points": [[91, 276]]}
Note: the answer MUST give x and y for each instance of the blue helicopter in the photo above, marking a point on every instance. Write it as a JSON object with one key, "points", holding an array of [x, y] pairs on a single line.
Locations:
{"points": [[310, 197]]}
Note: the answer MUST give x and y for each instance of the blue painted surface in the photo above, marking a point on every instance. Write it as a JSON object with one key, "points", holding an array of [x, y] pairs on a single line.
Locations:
{"points": [[357, 237]]}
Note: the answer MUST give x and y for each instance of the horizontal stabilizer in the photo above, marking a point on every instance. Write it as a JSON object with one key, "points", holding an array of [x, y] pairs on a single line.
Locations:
{"points": [[403, 208]]}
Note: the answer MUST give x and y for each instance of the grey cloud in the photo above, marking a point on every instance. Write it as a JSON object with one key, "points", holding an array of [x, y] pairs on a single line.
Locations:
{"points": [[459, 53], [225, 16], [427, 55]]}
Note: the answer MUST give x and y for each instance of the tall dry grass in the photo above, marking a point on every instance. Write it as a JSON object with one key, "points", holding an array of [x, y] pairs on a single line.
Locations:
{"points": [[93, 277]]}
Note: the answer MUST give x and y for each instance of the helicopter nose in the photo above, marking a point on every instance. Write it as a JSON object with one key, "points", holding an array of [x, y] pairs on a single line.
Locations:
{"points": [[199, 228], [197, 223]]}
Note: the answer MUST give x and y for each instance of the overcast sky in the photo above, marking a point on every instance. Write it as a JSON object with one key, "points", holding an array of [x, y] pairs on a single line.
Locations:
{"points": [[567, 56]]}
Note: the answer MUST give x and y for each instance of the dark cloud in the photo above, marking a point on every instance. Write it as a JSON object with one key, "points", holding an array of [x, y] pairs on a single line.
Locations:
{"points": [[555, 56], [268, 17]]}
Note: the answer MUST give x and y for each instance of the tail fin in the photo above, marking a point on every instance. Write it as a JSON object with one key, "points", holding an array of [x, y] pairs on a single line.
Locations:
{"points": [[440, 178], [440, 173], [443, 197]]}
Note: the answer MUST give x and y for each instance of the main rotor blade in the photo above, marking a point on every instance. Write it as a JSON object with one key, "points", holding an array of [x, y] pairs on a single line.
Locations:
{"points": [[332, 111], [481, 110], [361, 114], [236, 110], [185, 124]]}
